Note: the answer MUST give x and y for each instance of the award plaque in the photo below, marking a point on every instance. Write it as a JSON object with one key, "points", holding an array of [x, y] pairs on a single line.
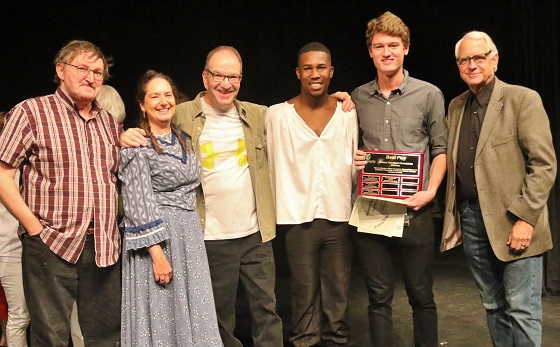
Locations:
{"points": [[391, 174]]}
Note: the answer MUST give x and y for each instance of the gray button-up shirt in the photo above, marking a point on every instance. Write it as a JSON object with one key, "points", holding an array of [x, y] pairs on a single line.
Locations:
{"points": [[411, 119]]}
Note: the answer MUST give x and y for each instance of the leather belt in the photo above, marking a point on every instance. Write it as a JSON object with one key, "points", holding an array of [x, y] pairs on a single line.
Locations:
{"points": [[466, 203]]}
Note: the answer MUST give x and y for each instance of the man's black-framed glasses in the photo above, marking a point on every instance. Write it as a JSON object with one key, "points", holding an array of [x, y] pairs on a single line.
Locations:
{"points": [[478, 59]]}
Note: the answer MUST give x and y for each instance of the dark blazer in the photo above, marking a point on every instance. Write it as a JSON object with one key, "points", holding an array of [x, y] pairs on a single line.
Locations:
{"points": [[515, 168]]}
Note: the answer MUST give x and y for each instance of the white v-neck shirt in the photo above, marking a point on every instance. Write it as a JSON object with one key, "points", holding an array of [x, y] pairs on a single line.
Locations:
{"points": [[311, 175]]}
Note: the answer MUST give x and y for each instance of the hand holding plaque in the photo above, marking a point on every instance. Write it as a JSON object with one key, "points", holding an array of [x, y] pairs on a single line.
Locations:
{"points": [[391, 174]]}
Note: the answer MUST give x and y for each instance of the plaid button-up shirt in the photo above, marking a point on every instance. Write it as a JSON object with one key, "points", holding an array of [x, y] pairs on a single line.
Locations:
{"points": [[69, 172]]}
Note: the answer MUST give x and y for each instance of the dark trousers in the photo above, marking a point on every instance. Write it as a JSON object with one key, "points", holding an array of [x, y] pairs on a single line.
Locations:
{"points": [[250, 261], [320, 258], [51, 286], [415, 252]]}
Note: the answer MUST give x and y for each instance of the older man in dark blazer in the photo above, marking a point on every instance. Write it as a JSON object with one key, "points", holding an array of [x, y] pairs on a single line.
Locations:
{"points": [[501, 166]]}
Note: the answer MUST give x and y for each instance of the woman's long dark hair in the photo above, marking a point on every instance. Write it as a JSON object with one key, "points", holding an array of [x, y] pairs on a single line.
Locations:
{"points": [[144, 123]]}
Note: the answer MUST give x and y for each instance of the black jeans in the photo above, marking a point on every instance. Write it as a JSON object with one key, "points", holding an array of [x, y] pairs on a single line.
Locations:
{"points": [[250, 261], [320, 258], [415, 250], [51, 286]]}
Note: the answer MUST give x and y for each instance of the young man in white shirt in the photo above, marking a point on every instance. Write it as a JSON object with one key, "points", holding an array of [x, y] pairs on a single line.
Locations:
{"points": [[310, 143]]}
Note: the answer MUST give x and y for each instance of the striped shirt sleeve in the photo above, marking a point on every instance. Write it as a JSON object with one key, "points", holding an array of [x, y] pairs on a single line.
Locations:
{"points": [[143, 225]]}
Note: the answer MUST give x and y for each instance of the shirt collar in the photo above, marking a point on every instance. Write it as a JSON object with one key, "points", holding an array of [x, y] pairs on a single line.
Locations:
{"points": [[95, 107], [399, 91], [200, 97], [483, 96]]}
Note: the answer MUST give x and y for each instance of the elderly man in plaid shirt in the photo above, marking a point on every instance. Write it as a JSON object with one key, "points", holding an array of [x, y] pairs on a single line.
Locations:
{"points": [[67, 148]]}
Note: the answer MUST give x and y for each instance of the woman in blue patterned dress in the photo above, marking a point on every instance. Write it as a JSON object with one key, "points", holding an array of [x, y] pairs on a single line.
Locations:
{"points": [[167, 295]]}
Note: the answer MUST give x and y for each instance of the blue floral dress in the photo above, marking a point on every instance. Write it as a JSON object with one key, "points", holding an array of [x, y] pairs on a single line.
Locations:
{"points": [[160, 207]]}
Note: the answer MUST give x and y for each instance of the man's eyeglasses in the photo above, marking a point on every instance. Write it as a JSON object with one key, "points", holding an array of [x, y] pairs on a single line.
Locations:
{"points": [[478, 59], [218, 77], [84, 71]]}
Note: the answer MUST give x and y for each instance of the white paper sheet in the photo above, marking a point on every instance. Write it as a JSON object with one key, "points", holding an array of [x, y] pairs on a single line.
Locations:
{"points": [[378, 216]]}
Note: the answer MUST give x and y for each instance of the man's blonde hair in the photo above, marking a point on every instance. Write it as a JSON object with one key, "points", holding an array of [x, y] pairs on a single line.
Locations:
{"points": [[388, 24]]}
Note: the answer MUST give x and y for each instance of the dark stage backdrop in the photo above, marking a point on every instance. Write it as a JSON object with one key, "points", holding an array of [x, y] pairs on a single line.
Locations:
{"points": [[174, 37]]}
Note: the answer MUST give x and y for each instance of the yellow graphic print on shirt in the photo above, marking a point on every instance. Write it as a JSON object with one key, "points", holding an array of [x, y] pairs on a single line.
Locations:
{"points": [[209, 156]]}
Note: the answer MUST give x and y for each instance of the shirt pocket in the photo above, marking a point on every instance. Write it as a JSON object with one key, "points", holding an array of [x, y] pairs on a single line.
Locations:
{"points": [[411, 129]]}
